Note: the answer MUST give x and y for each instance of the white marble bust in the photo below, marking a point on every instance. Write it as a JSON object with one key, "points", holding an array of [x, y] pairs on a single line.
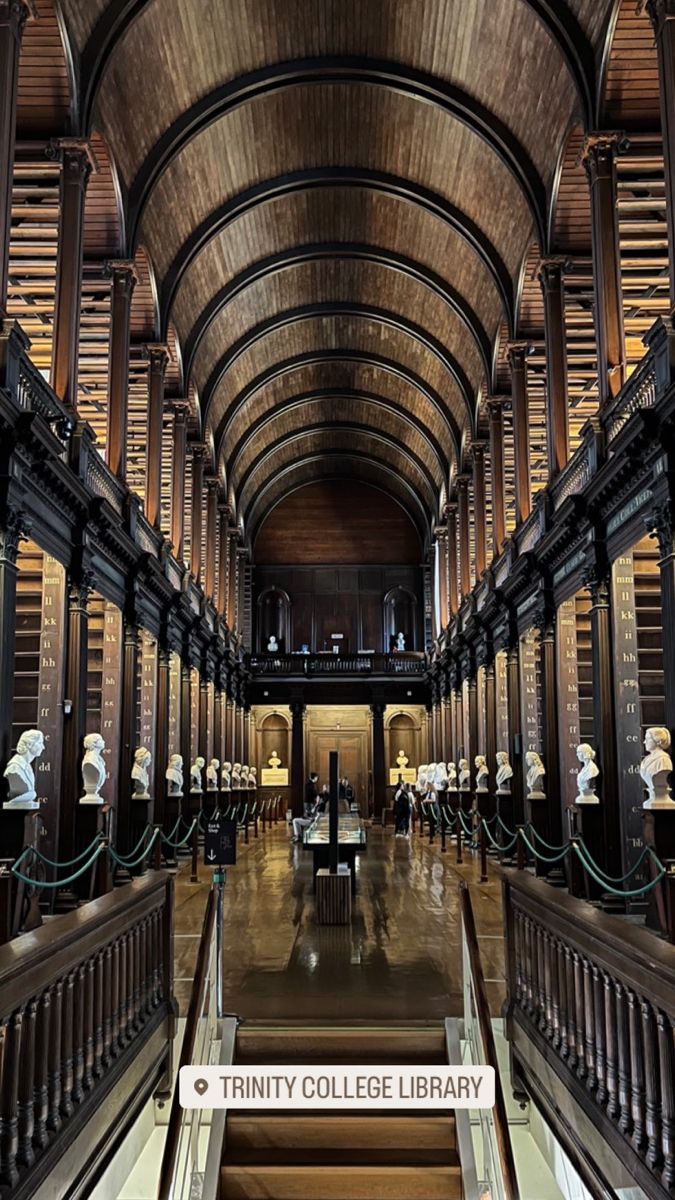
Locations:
{"points": [[226, 777], [196, 769], [452, 777], [253, 777], [504, 773], [586, 775], [140, 773], [535, 773], [174, 775], [94, 773], [480, 763], [400, 641], [272, 644], [212, 775], [19, 771], [421, 781], [244, 777], [236, 776], [656, 767], [440, 777], [464, 775]]}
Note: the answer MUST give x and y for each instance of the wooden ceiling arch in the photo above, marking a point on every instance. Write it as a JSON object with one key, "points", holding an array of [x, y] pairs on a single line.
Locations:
{"points": [[338, 357], [238, 435], [284, 320]]}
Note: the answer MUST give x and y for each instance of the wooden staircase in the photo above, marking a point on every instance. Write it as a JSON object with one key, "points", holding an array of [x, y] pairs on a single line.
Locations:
{"points": [[388, 1155]]}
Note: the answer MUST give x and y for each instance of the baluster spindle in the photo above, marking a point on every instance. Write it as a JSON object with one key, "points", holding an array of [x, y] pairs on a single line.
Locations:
{"points": [[119, 981], [108, 1005], [637, 1072], [580, 1017], [54, 1118], [623, 1057], [611, 1049], [546, 1023], [652, 1086], [41, 1089], [589, 1026], [559, 998], [667, 1069], [600, 1035], [571, 1011], [10, 1050], [67, 1078], [541, 980], [97, 1068], [89, 1034], [78, 1034], [26, 1086]]}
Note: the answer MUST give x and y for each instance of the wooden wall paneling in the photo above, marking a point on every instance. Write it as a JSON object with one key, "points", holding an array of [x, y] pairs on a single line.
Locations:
{"points": [[194, 718], [174, 745], [502, 701], [568, 699], [146, 719], [111, 691], [50, 715], [530, 692]]}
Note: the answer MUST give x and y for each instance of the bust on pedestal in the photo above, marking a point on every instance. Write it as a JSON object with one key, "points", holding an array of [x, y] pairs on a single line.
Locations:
{"points": [[452, 777], [212, 775], [586, 775], [272, 645], [480, 763], [504, 774], [174, 775], [236, 777], [226, 777], [140, 774], [196, 782], [421, 781], [400, 641], [252, 778], [464, 775], [19, 771], [244, 778], [655, 768], [94, 773], [440, 778], [535, 776]]}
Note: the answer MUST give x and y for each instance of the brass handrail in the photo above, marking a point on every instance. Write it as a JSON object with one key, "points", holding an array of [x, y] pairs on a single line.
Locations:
{"points": [[503, 1137], [195, 1011]]}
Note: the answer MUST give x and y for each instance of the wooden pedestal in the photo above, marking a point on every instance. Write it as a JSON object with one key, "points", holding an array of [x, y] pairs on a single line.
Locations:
{"points": [[334, 896]]}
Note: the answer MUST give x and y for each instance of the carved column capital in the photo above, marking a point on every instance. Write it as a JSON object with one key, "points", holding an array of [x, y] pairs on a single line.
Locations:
{"points": [[659, 526], [596, 582], [77, 159], [440, 532], [478, 448], [16, 527], [15, 13], [158, 356], [463, 482], [516, 354], [599, 150], [659, 12], [551, 271], [122, 273]]}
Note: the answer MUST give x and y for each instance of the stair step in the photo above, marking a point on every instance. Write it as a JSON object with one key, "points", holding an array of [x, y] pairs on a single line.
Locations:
{"points": [[340, 1183], [359, 1045], [256, 1138]]}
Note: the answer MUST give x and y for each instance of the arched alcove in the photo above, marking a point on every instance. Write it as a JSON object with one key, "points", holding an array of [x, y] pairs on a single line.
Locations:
{"points": [[274, 737], [400, 617], [274, 620]]}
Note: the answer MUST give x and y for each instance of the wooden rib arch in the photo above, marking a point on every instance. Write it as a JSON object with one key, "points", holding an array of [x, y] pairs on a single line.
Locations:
{"points": [[336, 356], [368, 312], [330, 177]]}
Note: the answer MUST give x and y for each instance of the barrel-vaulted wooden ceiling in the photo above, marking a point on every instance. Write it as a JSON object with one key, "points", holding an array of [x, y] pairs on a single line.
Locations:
{"points": [[337, 197]]}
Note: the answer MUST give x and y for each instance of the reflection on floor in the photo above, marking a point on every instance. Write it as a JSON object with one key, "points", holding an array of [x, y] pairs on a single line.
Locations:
{"points": [[399, 960]]}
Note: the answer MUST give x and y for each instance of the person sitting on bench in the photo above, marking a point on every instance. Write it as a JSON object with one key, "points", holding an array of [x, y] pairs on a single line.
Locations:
{"points": [[310, 808]]}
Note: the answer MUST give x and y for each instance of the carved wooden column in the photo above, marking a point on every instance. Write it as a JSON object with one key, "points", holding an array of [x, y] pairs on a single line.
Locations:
{"points": [[472, 693], [551, 278], [441, 536], [662, 13], [452, 559], [496, 412], [297, 757], [123, 281], [379, 771], [553, 826], [161, 735], [599, 159], [180, 420], [76, 165], [186, 747], [231, 577], [128, 712], [463, 482], [12, 530], [604, 717], [198, 455], [232, 730], [240, 611], [203, 717], [158, 360], [75, 722], [13, 14], [491, 721], [660, 526], [218, 709], [223, 559], [517, 357], [516, 748], [212, 485], [478, 456]]}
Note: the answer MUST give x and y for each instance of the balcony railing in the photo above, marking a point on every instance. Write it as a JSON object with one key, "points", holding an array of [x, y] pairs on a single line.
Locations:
{"points": [[337, 664]]}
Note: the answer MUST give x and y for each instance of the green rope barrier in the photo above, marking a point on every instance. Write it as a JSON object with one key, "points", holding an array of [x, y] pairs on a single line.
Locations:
{"points": [[539, 838], [59, 883], [506, 829], [50, 862], [133, 862], [620, 878], [185, 840], [628, 894], [544, 857], [496, 844]]}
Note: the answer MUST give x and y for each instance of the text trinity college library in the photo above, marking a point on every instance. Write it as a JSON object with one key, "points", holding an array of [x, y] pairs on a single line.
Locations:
{"points": [[337, 599]]}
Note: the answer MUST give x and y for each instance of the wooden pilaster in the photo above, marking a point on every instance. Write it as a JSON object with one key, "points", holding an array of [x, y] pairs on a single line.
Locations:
{"points": [[516, 748], [162, 734], [496, 413], [13, 16], [127, 715], [441, 535], [379, 772], [599, 159], [186, 747], [158, 358], [452, 559], [297, 757], [553, 826], [123, 281], [198, 455], [480, 531], [604, 715], [223, 559], [660, 525], [11, 531], [463, 482], [76, 166], [551, 278], [490, 721], [75, 722], [212, 486], [517, 357]]}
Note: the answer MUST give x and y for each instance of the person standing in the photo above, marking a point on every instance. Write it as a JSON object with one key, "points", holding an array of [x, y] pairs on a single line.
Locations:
{"points": [[310, 807], [402, 809]]}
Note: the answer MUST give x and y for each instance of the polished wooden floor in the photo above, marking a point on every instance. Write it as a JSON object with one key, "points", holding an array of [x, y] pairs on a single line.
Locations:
{"points": [[399, 961]]}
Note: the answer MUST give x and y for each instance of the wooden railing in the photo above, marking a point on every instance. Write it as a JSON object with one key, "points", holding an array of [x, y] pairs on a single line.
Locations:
{"points": [[337, 664], [503, 1179], [596, 996], [78, 998]]}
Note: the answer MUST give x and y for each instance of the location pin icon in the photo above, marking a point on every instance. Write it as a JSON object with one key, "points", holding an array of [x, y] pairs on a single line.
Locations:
{"points": [[201, 1086]]}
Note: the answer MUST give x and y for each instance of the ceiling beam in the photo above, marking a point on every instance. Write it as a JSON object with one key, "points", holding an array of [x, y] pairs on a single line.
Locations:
{"points": [[367, 312]]}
